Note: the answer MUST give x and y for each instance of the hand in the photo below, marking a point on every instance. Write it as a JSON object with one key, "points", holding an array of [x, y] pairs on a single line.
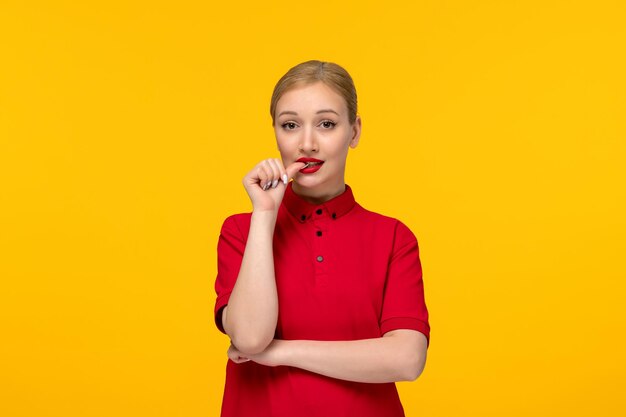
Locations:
{"points": [[236, 356], [271, 356], [266, 182]]}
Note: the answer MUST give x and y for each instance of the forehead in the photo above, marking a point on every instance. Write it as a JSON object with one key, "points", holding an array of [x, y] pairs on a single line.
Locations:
{"points": [[311, 98]]}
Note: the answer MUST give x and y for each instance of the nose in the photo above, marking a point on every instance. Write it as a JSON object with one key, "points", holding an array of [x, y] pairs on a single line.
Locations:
{"points": [[308, 141]]}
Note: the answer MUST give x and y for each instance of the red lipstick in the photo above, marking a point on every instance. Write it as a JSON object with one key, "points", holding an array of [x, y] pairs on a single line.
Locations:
{"points": [[312, 165]]}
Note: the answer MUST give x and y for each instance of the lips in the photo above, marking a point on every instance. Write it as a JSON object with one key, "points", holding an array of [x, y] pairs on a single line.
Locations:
{"points": [[310, 161], [312, 165]]}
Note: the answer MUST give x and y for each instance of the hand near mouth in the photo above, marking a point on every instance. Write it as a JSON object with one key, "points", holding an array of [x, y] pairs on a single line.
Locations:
{"points": [[266, 182]]}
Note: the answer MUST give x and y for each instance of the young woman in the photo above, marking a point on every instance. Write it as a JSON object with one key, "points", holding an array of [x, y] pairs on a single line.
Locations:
{"points": [[322, 299]]}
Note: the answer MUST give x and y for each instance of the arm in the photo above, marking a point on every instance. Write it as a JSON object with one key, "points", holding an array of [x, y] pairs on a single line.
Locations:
{"points": [[250, 317], [400, 355], [252, 311]]}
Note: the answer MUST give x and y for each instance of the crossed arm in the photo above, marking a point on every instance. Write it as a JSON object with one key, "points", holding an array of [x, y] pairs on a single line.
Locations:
{"points": [[251, 316], [400, 355]]}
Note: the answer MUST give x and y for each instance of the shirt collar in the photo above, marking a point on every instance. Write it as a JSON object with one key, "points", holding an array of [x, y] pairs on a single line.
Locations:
{"points": [[333, 208]]}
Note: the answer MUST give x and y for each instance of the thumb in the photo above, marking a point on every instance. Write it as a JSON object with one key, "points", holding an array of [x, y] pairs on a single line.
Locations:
{"points": [[293, 169]]}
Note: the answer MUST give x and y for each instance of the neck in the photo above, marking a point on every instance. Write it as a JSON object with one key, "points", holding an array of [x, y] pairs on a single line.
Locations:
{"points": [[312, 197]]}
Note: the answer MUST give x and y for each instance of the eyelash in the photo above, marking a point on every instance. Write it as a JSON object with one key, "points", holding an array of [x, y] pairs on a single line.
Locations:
{"points": [[284, 125], [292, 125]]}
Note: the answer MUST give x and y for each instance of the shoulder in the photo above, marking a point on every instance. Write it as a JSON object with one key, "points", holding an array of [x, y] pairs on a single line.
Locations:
{"points": [[238, 218], [385, 221], [401, 233], [237, 223]]}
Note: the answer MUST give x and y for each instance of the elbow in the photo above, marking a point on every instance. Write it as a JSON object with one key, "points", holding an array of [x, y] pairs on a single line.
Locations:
{"points": [[251, 345], [413, 367], [413, 356], [412, 373], [248, 342]]}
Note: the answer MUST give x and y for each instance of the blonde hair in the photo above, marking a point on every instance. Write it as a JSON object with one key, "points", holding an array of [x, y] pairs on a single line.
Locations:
{"points": [[309, 72]]}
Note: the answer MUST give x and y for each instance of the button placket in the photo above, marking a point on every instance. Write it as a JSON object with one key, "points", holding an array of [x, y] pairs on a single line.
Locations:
{"points": [[320, 245]]}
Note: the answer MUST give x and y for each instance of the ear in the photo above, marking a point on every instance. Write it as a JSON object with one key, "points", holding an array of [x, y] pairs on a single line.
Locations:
{"points": [[356, 132]]}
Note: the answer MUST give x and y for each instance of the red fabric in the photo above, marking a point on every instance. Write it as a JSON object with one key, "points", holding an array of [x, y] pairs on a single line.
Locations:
{"points": [[368, 282]]}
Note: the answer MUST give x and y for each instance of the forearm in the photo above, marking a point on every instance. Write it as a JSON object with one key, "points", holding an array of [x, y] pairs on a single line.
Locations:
{"points": [[384, 359], [252, 312]]}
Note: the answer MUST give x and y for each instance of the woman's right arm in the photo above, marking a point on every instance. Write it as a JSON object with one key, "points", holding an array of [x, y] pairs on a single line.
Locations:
{"points": [[251, 315]]}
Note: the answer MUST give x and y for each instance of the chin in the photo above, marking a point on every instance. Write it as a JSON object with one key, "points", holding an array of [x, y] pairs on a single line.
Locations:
{"points": [[308, 182], [305, 184]]}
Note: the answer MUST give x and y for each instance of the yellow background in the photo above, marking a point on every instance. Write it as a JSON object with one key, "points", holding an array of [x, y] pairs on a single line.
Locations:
{"points": [[494, 129]]}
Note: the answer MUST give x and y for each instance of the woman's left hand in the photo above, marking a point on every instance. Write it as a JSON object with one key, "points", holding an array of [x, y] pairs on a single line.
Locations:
{"points": [[269, 357], [236, 356]]}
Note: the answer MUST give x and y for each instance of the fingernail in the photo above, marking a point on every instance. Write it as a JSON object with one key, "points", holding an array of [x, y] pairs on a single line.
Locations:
{"points": [[274, 183], [285, 179]]}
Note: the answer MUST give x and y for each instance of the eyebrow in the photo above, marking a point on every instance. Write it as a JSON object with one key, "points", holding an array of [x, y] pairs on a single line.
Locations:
{"points": [[327, 111], [318, 112]]}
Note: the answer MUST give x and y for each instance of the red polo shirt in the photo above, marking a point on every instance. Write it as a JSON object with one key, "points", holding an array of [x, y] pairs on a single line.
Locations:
{"points": [[342, 273]]}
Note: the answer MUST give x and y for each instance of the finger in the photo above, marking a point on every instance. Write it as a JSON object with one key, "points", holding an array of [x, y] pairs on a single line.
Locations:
{"points": [[239, 358], [259, 176], [294, 168], [272, 172], [284, 177], [276, 171], [234, 355], [265, 175]]}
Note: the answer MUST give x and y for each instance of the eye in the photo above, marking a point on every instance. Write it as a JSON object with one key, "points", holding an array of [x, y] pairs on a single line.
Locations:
{"points": [[328, 124], [289, 125]]}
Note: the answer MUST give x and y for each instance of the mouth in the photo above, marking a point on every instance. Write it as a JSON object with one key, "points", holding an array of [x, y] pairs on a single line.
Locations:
{"points": [[310, 162]]}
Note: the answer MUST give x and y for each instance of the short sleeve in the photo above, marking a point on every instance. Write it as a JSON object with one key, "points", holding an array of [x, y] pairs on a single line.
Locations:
{"points": [[404, 305], [230, 249]]}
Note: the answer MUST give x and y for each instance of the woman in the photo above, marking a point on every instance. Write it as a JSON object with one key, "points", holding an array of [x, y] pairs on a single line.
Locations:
{"points": [[323, 300]]}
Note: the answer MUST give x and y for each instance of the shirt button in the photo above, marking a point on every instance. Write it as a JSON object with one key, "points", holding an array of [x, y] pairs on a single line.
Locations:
{"points": [[320, 258], [303, 217], [334, 215], [319, 233], [318, 211]]}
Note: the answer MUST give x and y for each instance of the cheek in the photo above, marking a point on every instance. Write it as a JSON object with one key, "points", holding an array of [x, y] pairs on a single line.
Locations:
{"points": [[284, 145], [341, 145]]}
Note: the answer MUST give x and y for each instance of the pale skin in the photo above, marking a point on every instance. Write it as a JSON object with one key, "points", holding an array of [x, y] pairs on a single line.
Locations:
{"points": [[311, 121]]}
